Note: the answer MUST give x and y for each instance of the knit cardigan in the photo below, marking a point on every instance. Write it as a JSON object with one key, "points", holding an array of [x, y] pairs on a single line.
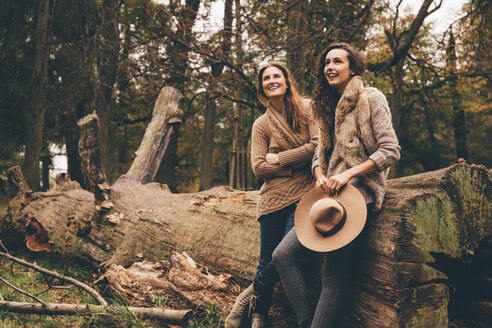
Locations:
{"points": [[286, 182], [362, 131]]}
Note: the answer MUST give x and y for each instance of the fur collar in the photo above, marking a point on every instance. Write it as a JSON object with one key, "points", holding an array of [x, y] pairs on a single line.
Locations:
{"points": [[348, 100]]}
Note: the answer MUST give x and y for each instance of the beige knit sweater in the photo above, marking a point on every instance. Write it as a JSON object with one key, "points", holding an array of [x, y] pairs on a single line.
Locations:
{"points": [[362, 130], [286, 182]]}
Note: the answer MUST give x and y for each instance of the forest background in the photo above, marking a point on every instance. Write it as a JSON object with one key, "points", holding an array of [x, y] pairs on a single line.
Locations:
{"points": [[61, 60]]}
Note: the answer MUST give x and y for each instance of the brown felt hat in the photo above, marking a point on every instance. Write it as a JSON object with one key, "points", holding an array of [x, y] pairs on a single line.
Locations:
{"points": [[325, 223]]}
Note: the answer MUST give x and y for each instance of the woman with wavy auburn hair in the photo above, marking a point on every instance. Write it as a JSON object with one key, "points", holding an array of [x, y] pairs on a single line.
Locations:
{"points": [[283, 141]]}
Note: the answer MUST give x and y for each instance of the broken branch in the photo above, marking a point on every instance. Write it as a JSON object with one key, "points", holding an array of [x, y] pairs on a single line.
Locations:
{"points": [[21, 291], [75, 282]]}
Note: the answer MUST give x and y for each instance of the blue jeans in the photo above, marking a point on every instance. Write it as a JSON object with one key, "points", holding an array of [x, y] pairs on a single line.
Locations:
{"points": [[273, 227]]}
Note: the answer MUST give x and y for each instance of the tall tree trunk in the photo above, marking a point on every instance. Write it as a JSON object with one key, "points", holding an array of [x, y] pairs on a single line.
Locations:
{"points": [[459, 122], [45, 165], [208, 145], [238, 115], [396, 105], [166, 173], [35, 118], [430, 163], [12, 38], [72, 144], [296, 29], [209, 129], [239, 176], [108, 64]]}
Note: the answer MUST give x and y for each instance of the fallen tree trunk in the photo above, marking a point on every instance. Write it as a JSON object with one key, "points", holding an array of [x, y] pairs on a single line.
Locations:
{"points": [[175, 317], [432, 226]]}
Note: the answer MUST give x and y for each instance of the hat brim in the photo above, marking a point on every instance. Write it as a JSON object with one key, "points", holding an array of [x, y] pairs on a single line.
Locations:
{"points": [[355, 207]]}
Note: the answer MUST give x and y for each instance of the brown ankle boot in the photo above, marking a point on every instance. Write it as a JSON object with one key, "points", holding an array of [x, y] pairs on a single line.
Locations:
{"points": [[240, 308]]}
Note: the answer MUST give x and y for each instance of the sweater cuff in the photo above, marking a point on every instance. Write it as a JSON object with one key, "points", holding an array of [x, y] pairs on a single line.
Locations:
{"points": [[380, 161]]}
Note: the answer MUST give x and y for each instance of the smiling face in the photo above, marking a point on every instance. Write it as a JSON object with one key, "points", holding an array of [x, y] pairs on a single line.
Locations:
{"points": [[337, 69], [273, 82]]}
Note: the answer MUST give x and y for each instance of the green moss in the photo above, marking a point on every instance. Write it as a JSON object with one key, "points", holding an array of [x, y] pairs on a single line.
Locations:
{"points": [[470, 190], [435, 226]]}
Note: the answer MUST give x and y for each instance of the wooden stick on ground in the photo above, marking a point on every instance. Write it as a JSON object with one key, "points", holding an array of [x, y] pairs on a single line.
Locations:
{"points": [[73, 281], [176, 317]]}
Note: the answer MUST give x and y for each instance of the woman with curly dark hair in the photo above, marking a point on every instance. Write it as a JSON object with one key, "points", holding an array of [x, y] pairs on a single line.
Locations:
{"points": [[357, 146]]}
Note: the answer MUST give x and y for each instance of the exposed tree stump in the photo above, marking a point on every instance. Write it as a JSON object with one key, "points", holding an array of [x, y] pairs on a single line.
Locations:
{"points": [[90, 153], [426, 252], [17, 184]]}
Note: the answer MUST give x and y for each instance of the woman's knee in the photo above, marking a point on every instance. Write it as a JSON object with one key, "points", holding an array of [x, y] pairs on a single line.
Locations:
{"points": [[277, 256], [283, 256], [280, 256]]}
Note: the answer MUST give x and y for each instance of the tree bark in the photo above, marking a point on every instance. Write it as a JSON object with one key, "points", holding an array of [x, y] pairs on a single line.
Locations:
{"points": [[90, 152], [72, 137], [396, 105], [108, 64], [35, 118], [208, 145], [46, 163], [432, 226], [17, 184]]}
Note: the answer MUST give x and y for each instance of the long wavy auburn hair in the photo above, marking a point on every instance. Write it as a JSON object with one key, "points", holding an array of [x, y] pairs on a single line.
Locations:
{"points": [[293, 100], [325, 97]]}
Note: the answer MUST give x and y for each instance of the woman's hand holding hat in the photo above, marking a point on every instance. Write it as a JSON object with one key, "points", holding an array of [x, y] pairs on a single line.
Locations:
{"points": [[336, 182], [333, 184]]}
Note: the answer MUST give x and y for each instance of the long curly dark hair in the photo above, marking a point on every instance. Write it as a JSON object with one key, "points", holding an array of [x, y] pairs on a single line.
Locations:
{"points": [[293, 100], [325, 97]]}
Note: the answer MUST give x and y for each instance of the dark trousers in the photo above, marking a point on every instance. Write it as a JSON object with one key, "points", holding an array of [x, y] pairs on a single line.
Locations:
{"points": [[273, 227]]}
